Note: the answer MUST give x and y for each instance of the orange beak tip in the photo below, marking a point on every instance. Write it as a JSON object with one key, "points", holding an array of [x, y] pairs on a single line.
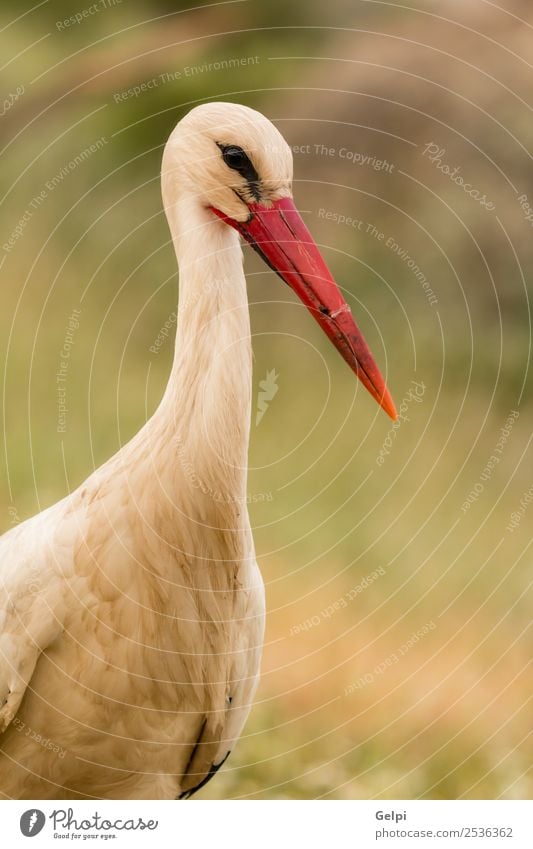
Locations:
{"points": [[388, 405]]}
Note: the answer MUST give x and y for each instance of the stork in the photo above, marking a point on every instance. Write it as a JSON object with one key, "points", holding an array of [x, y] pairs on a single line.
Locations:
{"points": [[132, 611]]}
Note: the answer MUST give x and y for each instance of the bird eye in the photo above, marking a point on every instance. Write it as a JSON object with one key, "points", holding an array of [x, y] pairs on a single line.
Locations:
{"points": [[234, 157]]}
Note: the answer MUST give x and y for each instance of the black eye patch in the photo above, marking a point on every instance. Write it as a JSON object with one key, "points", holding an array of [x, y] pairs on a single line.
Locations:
{"points": [[236, 159]]}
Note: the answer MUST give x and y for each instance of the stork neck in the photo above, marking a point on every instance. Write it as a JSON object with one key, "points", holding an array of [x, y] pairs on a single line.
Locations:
{"points": [[210, 384]]}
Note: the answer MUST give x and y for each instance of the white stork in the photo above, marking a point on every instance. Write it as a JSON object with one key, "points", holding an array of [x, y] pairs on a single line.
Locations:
{"points": [[132, 611]]}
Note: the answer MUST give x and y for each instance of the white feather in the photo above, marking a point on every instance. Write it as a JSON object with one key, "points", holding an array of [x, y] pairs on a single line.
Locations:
{"points": [[133, 610]]}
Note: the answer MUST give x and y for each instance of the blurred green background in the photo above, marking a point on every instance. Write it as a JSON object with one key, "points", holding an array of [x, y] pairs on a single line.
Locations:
{"points": [[351, 704]]}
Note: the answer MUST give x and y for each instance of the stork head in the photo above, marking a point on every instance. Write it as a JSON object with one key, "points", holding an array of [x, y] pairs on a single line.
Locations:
{"points": [[242, 174]]}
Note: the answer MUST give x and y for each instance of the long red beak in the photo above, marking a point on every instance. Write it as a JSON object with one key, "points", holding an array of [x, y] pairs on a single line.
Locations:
{"points": [[280, 236]]}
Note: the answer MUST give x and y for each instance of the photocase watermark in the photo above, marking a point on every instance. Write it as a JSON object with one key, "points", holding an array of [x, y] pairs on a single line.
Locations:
{"points": [[88, 12], [197, 482], [371, 230], [32, 822], [268, 390], [356, 157], [526, 208], [186, 72], [11, 99], [184, 303], [64, 819], [436, 154], [94, 826], [391, 660], [492, 462], [33, 583], [73, 324], [45, 742], [392, 245], [164, 333], [339, 604], [518, 515], [415, 393], [339, 218], [51, 184], [13, 514]]}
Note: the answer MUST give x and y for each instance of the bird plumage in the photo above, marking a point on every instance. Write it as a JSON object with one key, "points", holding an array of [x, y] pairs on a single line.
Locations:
{"points": [[132, 612]]}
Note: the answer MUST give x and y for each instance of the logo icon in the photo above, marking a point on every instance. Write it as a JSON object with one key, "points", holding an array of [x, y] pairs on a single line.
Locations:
{"points": [[269, 388], [32, 822]]}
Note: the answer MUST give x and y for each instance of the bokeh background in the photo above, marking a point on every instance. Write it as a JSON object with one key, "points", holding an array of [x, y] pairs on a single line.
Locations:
{"points": [[397, 563]]}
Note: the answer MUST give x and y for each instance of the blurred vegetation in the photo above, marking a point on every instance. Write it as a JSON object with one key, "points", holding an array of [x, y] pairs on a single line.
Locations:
{"points": [[449, 718]]}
